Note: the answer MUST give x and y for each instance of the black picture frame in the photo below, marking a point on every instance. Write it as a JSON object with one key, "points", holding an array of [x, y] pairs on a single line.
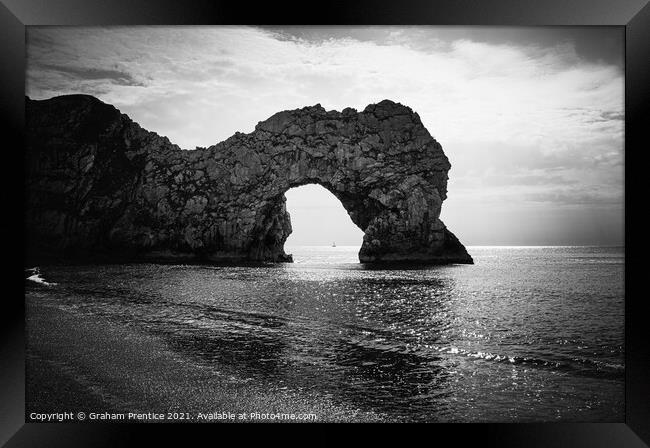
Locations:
{"points": [[633, 15]]}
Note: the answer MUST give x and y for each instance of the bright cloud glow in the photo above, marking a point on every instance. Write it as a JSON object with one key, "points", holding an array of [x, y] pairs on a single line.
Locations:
{"points": [[534, 131]]}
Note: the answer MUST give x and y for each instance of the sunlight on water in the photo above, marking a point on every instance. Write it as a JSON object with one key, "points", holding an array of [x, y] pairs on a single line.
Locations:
{"points": [[527, 333], [324, 254]]}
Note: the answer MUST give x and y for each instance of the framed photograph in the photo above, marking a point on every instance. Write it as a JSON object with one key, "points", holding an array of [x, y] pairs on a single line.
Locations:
{"points": [[379, 213]]}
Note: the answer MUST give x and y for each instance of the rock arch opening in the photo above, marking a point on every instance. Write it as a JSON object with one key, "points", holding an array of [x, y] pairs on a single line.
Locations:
{"points": [[318, 218]]}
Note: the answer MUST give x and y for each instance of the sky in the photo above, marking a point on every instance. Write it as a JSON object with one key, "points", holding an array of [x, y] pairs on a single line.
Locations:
{"points": [[531, 119]]}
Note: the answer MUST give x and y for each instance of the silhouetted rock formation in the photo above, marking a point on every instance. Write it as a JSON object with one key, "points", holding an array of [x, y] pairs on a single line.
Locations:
{"points": [[97, 183]]}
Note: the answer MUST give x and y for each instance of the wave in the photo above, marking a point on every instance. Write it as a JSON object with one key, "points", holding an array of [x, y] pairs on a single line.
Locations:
{"points": [[36, 277], [572, 364]]}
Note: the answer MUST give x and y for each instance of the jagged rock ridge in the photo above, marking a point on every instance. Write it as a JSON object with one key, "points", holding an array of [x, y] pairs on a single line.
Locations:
{"points": [[97, 183]]}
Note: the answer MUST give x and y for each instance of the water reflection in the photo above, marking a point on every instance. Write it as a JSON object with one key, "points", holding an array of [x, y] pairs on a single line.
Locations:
{"points": [[434, 344]]}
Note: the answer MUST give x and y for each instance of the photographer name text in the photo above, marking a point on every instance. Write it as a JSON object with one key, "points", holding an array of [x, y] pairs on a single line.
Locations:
{"points": [[175, 416]]}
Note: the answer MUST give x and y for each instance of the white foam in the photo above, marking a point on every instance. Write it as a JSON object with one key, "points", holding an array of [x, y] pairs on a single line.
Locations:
{"points": [[36, 277]]}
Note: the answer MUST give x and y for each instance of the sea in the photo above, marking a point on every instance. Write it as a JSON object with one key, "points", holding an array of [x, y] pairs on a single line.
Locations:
{"points": [[524, 334]]}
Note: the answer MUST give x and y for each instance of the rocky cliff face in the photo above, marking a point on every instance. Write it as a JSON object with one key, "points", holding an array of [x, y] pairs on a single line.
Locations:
{"points": [[97, 183]]}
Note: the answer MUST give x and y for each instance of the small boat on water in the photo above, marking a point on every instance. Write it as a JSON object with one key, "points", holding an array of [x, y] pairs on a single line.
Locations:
{"points": [[333, 244]]}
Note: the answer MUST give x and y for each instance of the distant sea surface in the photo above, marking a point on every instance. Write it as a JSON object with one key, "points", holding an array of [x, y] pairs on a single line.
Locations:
{"points": [[524, 334]]}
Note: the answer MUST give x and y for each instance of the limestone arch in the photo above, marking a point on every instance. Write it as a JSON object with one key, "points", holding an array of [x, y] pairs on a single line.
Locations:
{"points": [[382, 164], [131, 193]]}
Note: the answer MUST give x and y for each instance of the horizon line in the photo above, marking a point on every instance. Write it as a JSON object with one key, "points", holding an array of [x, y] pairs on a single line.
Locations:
{"points": [[479, 245]]}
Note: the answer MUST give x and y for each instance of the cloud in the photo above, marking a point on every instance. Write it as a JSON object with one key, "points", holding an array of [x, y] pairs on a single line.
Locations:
{"points": [[527, 117], [583, 198], [117, 77]]}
